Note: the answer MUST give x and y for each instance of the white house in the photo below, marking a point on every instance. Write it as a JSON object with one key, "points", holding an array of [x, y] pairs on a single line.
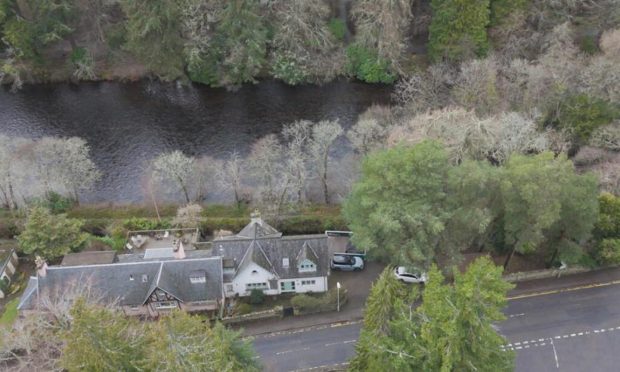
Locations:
{"points": [[259, 257]]}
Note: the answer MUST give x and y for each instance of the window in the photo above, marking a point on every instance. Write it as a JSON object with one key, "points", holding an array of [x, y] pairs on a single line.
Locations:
{"points": [[251, 286], [229, 287], [287, 286], [145, 278], [166, 305], [308, 282], [198, 277], [307, 266], [130, 277], [285, 262]]}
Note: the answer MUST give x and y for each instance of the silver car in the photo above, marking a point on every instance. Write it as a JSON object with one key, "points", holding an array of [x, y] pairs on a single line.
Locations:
{"points": [[347, 263], [406, 277]]}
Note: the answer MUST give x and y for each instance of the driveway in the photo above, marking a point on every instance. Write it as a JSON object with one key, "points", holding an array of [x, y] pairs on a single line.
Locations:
{"points": [[358, 285]]}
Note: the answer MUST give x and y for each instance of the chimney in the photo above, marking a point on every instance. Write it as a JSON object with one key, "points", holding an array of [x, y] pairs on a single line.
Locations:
{"points": [[179, 253], [255, 217], [41, 266]]}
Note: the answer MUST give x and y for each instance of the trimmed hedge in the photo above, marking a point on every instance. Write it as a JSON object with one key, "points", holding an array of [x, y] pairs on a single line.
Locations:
{"points": [[307, 304]]}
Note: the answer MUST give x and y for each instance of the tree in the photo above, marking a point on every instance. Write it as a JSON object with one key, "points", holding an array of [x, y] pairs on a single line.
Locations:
{"points": [[452, 330], [476, 86], [101, 340], [230, 175], [265, 164], [189, 216], [367, 135], [183, 342], [9, 154], [324, 133], [543, 197], [382, 306], [579, 115], [298, 136], [153, 35], [303, 43], [177, 168], [397, 209], [51, 236], [238, 50], [381, 27], [458, 29]]}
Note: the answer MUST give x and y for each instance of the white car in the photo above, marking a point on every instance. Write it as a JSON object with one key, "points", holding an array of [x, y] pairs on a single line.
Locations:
{"points": [[401, 274]]}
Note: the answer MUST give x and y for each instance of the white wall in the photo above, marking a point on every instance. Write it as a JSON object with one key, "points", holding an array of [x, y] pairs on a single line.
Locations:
{"points": [[246, 276], [320, 284]]}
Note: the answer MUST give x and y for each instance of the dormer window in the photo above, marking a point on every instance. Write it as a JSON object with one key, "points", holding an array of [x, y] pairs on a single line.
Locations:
{"points": [[306, 266], [198, 277], [285, 263], [130, 277]]}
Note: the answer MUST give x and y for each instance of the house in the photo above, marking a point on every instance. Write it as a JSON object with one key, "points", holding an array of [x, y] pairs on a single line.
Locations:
{"points": [[140, 287], [259, 257], [8, 266]]}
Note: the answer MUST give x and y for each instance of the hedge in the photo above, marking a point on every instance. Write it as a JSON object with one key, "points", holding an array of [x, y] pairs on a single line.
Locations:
{"points": [[307, 304]]}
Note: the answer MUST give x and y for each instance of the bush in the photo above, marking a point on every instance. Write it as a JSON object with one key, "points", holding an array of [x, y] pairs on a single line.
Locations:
{"points": [[366, 65], [501, 9], [243, 308], [137, 223], [608, 251], [580, 115], [257, 296], [608, 225], [288, 69], [306, 304], [338, 28]]}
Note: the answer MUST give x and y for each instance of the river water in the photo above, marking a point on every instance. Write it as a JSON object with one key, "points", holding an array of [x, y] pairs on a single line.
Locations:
{"points": [[128, 124]]}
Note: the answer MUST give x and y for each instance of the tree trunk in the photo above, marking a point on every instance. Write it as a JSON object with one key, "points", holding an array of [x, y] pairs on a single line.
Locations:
{"points": [[512, 251], [324, 178], [76, 196], [185, 192]]}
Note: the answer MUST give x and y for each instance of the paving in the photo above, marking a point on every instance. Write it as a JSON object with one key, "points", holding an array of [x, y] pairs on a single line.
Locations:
{"points": [[560, 324]]}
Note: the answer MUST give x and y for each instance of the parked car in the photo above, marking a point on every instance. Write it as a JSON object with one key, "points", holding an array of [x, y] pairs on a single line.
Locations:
{"points": [[347, 263], [406, 277]]}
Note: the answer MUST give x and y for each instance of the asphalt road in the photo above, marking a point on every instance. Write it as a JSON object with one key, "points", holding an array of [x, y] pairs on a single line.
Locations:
{"points": [[568, 330]]}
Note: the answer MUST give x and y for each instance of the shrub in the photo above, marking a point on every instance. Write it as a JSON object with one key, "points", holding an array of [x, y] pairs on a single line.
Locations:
{"points": [[257, 296], [57, 203], [243, 308], [4, 285], [287, 68], [608, 224], [608, 251], [366, 65], [338, 28], [501, 9], [137, 223], [306, 304], [580, 115]]}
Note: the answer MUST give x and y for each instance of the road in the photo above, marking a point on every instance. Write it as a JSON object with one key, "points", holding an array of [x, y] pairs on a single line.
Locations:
{"points": [[575, 329]]}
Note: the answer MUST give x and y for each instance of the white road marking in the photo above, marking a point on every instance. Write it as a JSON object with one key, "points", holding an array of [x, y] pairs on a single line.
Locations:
{"points": [[555, 354], [292, 351], [340, 342]]}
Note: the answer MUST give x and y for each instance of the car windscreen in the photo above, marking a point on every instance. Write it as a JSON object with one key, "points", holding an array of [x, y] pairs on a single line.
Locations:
{"points": [[343, 260]]}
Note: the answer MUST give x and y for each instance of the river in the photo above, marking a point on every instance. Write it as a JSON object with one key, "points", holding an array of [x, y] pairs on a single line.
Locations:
{"points": [[128, 124]]}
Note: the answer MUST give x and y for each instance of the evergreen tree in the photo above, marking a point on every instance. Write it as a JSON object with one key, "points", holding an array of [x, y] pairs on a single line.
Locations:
{"points": [[51, 236], [154, 35], [450, 331], [183, 342], [102, 340], [458, 29]]}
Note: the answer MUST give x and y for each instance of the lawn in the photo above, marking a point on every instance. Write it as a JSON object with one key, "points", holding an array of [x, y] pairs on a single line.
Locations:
{"points": [[10, 313]]}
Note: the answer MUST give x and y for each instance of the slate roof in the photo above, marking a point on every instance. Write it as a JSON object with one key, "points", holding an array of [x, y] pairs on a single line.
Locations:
{"points": [[131, 283], [270, 252], [257, 228], [88, 258]]}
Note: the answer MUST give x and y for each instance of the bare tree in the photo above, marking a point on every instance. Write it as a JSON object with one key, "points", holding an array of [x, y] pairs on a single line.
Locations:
{"points": [[367, 135], [298, 136], [302, 39], [9, 159], [230, 175], [476, 86], [383, 25], [177, 168], [426, 90], [189, 215], [324, 134], [265, 164], [466, 136]]}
